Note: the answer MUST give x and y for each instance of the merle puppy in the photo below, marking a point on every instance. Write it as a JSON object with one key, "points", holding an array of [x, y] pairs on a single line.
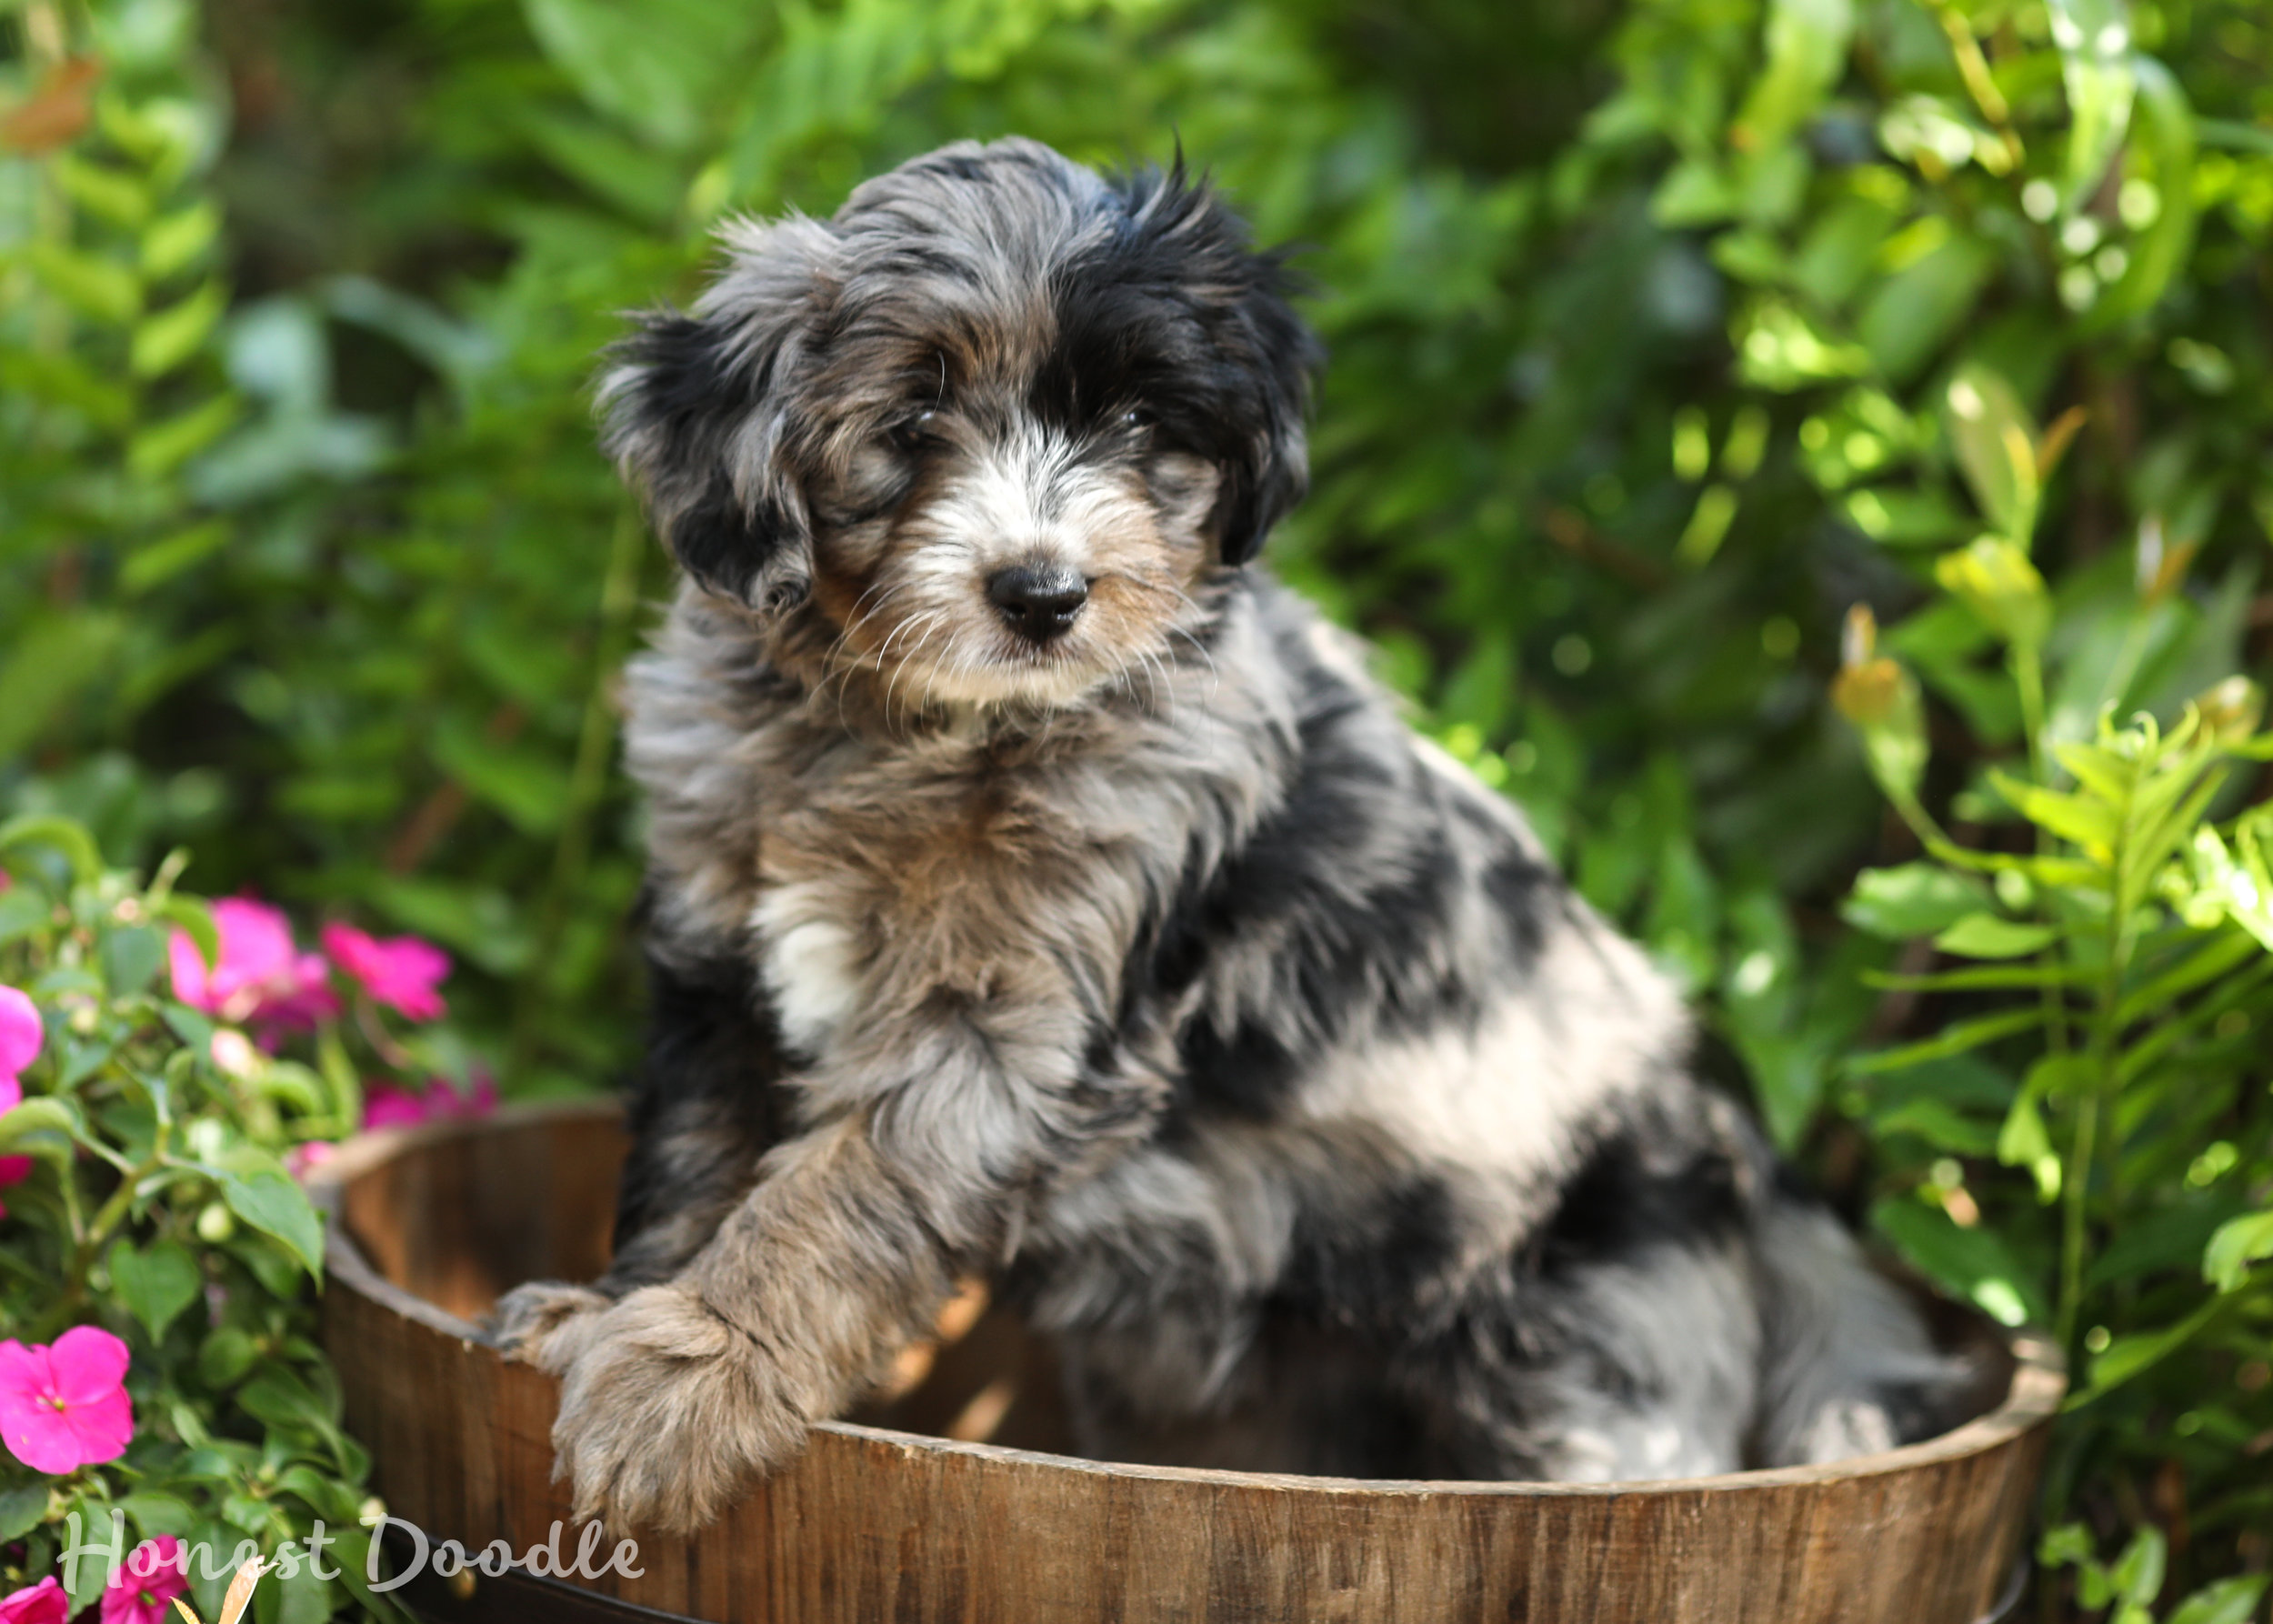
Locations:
{"points": [[1040, 891]]}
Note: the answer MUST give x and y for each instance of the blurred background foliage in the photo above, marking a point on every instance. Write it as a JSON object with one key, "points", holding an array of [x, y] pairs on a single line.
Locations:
{"points": [[1663, 333]]}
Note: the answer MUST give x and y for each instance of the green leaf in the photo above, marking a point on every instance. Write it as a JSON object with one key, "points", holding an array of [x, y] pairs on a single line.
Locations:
{"points": [[2086, 822], [41, 1126], [99, 289], [1939, 1124], [1985, 935], [2094, 38], [1995, 440], [1912, 314], [113, 195], [23, 910], [155, 1284], [195, 920], [131, 957], [173, 241], [1806, 53], [225, 1357], [2127, 1357], [61, 653], [164, 446], [21, 1510], [2226, 1601], [164, 341], [2239, 1243], [58, 834], [302, 1598], [1956, 1040], [2138, 1573], [1912, 900], [155, 1513], [274, 1204], [170, 555], [656, 66], [1973, 1264], [2023, 1142]]}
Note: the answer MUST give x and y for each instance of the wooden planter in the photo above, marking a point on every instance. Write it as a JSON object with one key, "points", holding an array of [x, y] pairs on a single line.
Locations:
{"points": [[431, 1224]]}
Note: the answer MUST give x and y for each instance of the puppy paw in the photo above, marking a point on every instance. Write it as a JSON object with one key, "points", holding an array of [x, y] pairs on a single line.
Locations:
{"points": [[547, 1323], [667, 1412]]}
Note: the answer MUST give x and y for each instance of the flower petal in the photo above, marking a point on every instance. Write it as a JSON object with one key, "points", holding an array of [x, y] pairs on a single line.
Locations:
{"points": [[192, 983], [42, 1603], [24, 1375], [41, 1441], [21, 1033], [89, 1364], [102, 1431]]}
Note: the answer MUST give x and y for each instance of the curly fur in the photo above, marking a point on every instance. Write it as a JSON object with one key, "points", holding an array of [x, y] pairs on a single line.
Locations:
{"points": [[1146, 964]]}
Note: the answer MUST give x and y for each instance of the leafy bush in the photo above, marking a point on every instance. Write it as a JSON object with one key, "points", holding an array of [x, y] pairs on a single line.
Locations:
{"points": [[1663, 335], [150, 1213]]}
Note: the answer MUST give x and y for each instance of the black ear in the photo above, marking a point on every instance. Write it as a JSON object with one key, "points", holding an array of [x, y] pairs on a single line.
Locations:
{"points": [[1272, 474], [1263, 355], [697, 413]]}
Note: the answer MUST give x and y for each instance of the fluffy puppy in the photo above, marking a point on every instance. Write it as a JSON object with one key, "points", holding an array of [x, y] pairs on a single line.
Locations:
{"points": [[1040, 891]]}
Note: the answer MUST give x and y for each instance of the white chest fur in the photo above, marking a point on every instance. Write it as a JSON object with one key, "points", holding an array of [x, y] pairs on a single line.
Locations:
{"points": [[809, 961]]}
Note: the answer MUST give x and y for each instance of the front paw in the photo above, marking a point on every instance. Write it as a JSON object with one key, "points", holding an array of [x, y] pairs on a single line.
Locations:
{"points": [[668, 1411], [547, 1323]]}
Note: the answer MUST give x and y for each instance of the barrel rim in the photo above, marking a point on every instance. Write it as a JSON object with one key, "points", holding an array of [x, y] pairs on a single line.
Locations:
{"points": [[2033, 1397]]}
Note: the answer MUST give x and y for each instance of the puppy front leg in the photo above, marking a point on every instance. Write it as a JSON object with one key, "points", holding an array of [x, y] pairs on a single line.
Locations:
{"points": [[845, 1250]]}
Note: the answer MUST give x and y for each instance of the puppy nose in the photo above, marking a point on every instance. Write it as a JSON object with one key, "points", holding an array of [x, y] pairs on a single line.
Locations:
{"points": [[1039, 600]]}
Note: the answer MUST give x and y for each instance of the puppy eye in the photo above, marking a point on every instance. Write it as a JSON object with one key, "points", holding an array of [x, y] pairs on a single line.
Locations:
{"points": [[1136, 417], [911, 434]]}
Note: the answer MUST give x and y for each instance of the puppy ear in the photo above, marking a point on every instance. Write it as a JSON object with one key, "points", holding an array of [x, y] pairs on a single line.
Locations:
{"points": [[1271, 471], [696, 413], [1258, 389]]}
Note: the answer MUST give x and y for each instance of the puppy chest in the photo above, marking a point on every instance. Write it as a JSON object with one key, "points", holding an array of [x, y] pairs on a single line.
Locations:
{"points": [[879, 916]]}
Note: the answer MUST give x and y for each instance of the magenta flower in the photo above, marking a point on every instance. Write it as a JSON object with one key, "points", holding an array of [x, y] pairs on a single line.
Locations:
{"points": [[21, 1035], [390, 1105], [304, 1158], [401, 972], [66, 1407], [262, 977], [143, 1590], [42, 1603]]}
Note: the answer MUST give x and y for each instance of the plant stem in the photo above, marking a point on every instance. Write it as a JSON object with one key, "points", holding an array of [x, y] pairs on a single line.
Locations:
{"points": [[2027, 670], [587, 782]]}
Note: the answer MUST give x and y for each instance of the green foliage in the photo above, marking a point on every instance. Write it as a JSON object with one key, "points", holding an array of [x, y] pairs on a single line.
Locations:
{"points": [[1664, 336], [156, 1204]]}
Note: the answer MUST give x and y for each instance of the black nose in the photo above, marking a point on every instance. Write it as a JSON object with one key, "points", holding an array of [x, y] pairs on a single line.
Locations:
{"points": [[1039, 600]]}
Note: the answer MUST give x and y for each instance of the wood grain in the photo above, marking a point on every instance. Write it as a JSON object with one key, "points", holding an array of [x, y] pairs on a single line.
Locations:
{"points": [[881, 1525]]}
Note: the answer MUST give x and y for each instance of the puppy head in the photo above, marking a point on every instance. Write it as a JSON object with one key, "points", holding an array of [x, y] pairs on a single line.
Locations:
{"points": [[983, 431]]}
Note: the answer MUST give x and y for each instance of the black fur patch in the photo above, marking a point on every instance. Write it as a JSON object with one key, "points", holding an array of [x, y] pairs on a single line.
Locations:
{"points": [[1358, 1260], [695, 385], [711, 1058], [1643, 1185], [1371, 956], [1177, 316]]}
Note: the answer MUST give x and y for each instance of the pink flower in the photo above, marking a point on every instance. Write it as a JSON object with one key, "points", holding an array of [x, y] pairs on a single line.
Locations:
{"points": [[66, 1407], [400, 972], [42, 1603], [147, 1581], [390, 1105], [262, 977], [21, 1035], [304, 1158]]}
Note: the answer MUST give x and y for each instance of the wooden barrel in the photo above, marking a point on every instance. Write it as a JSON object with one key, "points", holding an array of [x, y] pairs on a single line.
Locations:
{"points": [[878, 1524]]}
